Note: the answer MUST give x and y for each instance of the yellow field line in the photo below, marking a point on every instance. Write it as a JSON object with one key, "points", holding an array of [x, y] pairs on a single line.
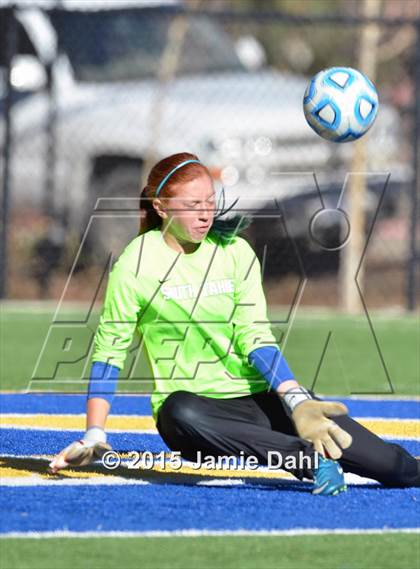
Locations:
{"points": [[393, 427], [7, 471], [121, 422], [401, 428]]}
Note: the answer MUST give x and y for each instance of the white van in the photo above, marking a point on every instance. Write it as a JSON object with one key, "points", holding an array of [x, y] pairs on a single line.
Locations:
{"points": [[242, 118]]}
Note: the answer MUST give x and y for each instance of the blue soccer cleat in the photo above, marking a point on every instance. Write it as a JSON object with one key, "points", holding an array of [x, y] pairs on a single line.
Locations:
{"points": [[328, 478]]}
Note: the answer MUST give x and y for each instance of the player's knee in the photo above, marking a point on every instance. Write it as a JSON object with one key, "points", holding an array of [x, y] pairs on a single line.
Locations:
{"points": [[180, 407]]}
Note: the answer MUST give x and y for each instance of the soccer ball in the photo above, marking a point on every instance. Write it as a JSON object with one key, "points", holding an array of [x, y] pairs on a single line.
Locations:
{"points": [[340, 104]]}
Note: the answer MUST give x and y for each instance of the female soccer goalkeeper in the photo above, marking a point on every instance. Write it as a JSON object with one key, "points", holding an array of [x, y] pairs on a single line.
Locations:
{"points": [[222, 387]]}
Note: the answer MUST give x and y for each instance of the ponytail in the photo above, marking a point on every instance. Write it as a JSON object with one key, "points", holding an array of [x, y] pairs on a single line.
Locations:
{"points": [[227, 229]]}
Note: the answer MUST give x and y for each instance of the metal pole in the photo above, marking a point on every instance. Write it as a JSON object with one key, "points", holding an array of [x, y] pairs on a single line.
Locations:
{"points": [[11, 46], [415, 188], [50, 161]]}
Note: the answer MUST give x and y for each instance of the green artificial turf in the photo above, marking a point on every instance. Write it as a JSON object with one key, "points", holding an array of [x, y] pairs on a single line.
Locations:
{"points": [[334, 354], [386, 551]]}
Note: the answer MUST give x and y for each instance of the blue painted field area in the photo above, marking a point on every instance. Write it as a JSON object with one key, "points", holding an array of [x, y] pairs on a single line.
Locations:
{"points": [[166, 507], [92, 499], [48, 403], [51, 442]]}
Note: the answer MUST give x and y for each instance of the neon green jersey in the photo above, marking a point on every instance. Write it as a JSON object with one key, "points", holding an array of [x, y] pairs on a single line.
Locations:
{"points": [[199, 315]]}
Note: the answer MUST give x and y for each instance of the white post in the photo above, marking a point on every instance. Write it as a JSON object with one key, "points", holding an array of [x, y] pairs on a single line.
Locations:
{"points": [[352, 252]]}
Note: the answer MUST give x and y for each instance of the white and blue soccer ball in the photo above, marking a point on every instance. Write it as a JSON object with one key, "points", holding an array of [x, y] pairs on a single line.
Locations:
{"points": [[340, 104]]}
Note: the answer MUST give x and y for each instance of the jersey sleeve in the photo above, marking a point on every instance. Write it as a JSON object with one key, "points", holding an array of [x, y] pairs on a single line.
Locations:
{"points": [[252, 328], [119, 317]]}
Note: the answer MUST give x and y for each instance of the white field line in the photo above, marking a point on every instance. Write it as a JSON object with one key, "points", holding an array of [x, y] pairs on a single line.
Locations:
{"points": [[209, 533], [109, 480], [359, 397], [5, 416], [33, 392], [94, 481]]}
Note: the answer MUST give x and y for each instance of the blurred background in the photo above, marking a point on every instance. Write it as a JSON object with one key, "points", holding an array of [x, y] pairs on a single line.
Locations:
{"points": [[93, 93]]}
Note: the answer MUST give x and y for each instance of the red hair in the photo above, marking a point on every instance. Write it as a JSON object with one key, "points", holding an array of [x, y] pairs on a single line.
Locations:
{"points": [[149, 218]]}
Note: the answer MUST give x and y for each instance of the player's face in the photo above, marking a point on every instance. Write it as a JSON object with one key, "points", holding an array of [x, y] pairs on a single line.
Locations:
{"points": [[191, 211]]}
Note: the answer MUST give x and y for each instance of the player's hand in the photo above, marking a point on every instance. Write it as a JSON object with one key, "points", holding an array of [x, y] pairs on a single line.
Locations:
{"points": [[78, 453], [311, 419]]}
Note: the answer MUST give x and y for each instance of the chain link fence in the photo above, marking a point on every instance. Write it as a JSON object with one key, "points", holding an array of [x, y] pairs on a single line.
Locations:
{"points": [[91, 98]]}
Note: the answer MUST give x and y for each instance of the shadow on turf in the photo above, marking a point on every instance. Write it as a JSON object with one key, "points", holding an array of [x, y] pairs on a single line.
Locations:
{"points": [[40, 465]]}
